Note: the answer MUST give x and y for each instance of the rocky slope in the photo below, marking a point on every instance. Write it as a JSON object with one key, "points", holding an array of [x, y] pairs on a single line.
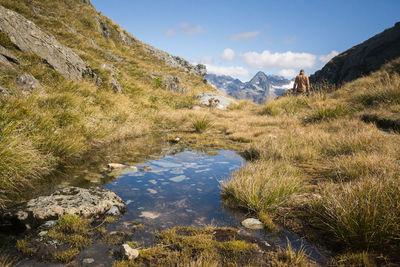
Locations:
{"points": [[361, 59], [260, 88], [71, 79]]}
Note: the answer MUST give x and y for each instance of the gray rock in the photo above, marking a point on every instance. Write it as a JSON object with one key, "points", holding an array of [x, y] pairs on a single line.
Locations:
{"points": [[30, 38], [27, 83], [115, 85], [129, 252], [103, 28], [252, 223], [50, 224], [88, 261], [114, 211], [90, 202], [171, 83], [8, 55], [42, 233], [115, 58], [215, 100], [113, 166]]}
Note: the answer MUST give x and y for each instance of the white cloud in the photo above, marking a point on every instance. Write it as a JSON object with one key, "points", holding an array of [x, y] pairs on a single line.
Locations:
{"points": [[287, 73], [185, 29], [230, 71], [325, 58], [228, 54], [244, 36], [207, 60], [287, 60]]}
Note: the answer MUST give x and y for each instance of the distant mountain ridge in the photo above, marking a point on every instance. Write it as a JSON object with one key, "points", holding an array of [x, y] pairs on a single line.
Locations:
{"points": [[260, 88], [361, 59]]}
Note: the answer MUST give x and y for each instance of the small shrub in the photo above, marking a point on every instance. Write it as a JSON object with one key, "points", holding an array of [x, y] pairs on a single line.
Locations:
{"points": [[200, 124], [157, 82]]}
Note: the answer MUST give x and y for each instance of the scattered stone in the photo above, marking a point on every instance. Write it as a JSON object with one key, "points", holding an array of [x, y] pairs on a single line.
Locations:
{"points": [[253, 224], [152, 191], [114, 211], [115, 58], [129, 252], [215, 100], [146, 168], [113, 166], [50, 224], [196, 107], [88, 261], [42, 233], [27, 83], [115, 85], [178, 179], [30, 38], [149, 215], [90, 202]]}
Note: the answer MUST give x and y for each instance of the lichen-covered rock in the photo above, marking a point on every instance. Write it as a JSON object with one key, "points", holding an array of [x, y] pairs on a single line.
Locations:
{"points": [[172, 83], [27, 83], [215, 100], [87, 203], [30, 38], [115, 85]]}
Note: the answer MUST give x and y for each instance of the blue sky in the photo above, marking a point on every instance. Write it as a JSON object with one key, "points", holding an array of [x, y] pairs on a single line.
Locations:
{"points": [[239, 38]]}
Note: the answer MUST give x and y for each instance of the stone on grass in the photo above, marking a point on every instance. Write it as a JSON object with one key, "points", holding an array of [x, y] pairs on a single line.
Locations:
{"points": [[253, 224], [129, 252]]}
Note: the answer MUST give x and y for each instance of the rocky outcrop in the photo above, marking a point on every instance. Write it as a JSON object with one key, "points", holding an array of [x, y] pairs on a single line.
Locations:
{"points": [[361, 59], [172, 83], [87, 203], [27, 83], [30, 38], [115, 85], [8, 56], [215, 100], [103, 28], [177, 62]]}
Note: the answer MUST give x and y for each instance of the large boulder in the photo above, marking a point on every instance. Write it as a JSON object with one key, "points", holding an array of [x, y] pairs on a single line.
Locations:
{"points": [[30, 38], [215, 100], [87, 203]]}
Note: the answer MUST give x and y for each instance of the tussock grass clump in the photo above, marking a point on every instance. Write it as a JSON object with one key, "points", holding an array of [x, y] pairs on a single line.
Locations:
{"points": [[201, 124], [373, 92], [286, 105], [291, 257], [354, 259], [321, 112], [362, 214], [263, 186]]}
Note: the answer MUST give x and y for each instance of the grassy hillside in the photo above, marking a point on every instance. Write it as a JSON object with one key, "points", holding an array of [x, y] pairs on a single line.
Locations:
{"points": [[42, 132]]}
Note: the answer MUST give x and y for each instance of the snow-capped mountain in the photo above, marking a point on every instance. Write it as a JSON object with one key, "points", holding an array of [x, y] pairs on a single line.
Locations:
{"points": [[260, 88]]}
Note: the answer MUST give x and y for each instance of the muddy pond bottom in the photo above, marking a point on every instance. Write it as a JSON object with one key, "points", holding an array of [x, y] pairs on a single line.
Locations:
{"points": [[181, 189]]}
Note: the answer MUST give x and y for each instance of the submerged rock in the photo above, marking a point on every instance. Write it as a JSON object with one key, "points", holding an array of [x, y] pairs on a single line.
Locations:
{"points": [[90, 202], [149, 215], [253, 224], [113, 166], [146, 168]]}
